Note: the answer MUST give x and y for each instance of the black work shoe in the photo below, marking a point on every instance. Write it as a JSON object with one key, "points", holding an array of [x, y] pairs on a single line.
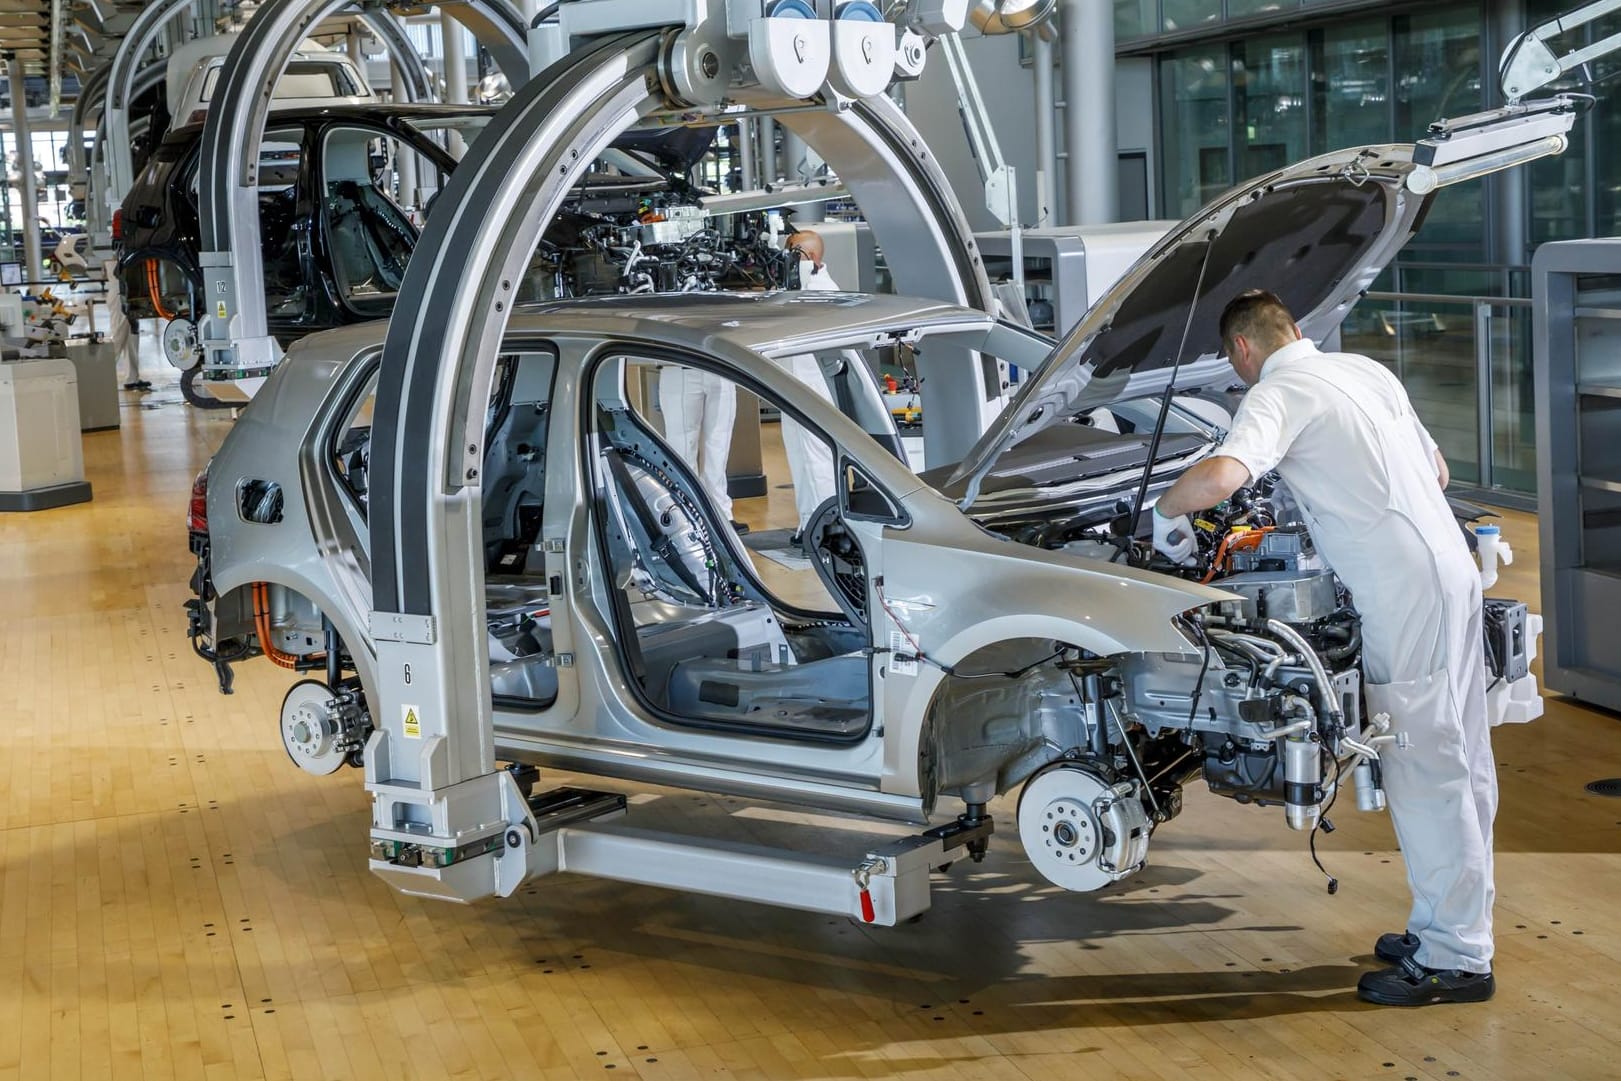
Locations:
{"points": [[796, 540], [739, 528], [1411, 984], [1394, 949]]}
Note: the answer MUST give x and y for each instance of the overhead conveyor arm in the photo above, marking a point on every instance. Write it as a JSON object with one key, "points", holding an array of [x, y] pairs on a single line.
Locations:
{"points": [[1001, 191], [1457, 150], [1531, 61]]}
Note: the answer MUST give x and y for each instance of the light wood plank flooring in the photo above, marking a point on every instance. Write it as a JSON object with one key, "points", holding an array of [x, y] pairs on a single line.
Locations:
{"points": [[178, 901]]}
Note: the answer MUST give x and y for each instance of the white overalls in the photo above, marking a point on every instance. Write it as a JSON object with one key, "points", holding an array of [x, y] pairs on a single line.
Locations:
{"points": [[124, 335], [810, 459], [1341, 432], [699, 409]]}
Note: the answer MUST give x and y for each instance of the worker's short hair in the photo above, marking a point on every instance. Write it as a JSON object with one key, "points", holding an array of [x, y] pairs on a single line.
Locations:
{"points": [[1257, 314]]}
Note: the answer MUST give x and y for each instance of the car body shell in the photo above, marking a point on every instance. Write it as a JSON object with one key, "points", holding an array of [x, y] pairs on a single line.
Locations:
{"points": [[934, 564], [160, 223]]}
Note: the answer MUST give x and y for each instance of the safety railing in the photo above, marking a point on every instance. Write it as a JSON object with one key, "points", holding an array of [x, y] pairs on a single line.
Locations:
{"points": [[1466, 364]]}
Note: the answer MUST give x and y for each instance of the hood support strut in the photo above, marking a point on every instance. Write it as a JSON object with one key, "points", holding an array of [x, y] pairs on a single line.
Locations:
{"points": [[1165, 404]]}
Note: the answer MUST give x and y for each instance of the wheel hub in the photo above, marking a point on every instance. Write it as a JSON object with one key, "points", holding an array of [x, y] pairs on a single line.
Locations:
{"points": [[1081, 831], [316, 729]]}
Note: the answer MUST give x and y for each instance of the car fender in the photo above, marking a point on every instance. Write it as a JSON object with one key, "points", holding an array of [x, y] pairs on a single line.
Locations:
{"points": [[356, 637], [952, 590]]}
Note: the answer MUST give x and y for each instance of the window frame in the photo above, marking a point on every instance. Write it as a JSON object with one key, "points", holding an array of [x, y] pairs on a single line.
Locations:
{"points": [[588, 438]]}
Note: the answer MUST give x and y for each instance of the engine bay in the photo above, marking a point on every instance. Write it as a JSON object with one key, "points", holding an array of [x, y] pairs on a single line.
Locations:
{"points": [[622, 233]]}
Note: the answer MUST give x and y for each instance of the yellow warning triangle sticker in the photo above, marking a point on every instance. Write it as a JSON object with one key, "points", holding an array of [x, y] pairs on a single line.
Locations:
{"points": [[412, 722]]}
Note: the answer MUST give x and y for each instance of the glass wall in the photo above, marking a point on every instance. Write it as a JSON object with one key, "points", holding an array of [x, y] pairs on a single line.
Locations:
{"points": [[1269, 80], [1466, 364], [1300, 92], [1194, 128], [1350, 84], [1189, 14], [1452, 316], [1438, 74], [1134, 18]]}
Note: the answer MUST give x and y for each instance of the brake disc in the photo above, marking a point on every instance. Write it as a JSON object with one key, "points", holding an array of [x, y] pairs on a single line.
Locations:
{"points": [[181, 345], [1080, 831]]}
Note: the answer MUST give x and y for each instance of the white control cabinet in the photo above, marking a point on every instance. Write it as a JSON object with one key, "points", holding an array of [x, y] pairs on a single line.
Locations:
{"points": [[41, 461]]}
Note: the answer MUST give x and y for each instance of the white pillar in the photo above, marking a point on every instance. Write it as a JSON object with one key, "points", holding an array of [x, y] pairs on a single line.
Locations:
{"points": [[1092, 176], [25, 168], [406, 163], [769, 173], [1046, 136], [455, 42], [744, 134]]}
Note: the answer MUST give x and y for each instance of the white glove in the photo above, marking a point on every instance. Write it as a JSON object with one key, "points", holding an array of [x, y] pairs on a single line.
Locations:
{"points": [[1173, 538]]}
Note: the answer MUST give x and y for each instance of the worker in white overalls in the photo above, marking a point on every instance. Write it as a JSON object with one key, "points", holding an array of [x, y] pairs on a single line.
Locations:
{"points": [[699, 410], [124, 335], [1341, 432], [810, 459]]}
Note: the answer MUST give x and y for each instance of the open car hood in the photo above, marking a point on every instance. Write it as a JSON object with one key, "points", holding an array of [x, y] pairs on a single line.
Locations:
{"points": [[1317, 234]]}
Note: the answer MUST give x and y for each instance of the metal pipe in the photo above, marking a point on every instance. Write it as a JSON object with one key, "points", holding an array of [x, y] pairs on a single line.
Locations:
{"points": [[1046, 135], [745, 153], [768, 152], [405, 162], [1091, 177], [1325, 689], [455, 44], [25, 167]]}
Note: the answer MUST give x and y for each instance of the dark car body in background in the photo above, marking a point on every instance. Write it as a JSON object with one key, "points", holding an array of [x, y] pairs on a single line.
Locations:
{"points": [[333, 246]]}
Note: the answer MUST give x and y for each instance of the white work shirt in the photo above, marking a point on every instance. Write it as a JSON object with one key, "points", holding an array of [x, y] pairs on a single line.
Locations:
{"points": [[1342, 433], [816, 279]]}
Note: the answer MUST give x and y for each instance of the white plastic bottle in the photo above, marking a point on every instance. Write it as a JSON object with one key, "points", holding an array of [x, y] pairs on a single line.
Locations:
{"points": [[1492, 550]]}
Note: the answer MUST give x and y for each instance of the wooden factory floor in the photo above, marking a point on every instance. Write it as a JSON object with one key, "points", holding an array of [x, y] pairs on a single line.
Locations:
{"points": [[177, 900]]}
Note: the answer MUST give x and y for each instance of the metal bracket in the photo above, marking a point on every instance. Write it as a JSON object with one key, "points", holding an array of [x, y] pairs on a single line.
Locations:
{"points": [[403, 627], [1530, 63]]}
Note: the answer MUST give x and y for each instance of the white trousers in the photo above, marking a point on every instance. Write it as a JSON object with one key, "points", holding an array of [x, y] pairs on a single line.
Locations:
{"points": [[124, 334], [699, 409], [810, 459], [127, 346], [1425, 664]]}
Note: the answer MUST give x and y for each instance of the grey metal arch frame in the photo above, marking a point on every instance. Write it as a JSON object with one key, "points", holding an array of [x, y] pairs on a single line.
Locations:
{"points": [[456, 296], [121, 88], [228, 213], [391, 32], [118, 86], [439, 359], [92, 96]]}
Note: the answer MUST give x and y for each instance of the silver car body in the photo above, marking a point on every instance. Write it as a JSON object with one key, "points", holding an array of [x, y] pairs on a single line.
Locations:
{"points": [[984, 662], [935, 566]]}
